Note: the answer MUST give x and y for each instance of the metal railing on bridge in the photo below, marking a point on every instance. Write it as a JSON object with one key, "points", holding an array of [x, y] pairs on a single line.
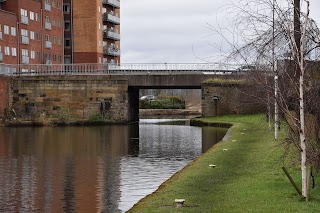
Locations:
{"points": [[118, 69]]}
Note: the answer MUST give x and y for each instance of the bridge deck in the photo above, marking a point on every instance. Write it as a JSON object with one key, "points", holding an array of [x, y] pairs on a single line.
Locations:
{"points": [[121, 69]]}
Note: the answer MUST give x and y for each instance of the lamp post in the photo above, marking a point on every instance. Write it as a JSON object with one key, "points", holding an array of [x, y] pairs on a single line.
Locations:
{"points": [[215, 100]]}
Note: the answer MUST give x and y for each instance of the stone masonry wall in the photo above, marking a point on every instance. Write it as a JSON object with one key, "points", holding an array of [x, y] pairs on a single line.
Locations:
{"points": [[79, 97], [234, 98], [4, 95]]}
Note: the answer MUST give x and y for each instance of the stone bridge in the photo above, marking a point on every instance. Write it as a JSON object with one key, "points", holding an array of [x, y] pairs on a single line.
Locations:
{"points": [[114, 94]]}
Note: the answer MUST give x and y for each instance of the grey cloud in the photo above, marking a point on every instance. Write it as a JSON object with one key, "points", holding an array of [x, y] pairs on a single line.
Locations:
{"points": [[170, 30]]}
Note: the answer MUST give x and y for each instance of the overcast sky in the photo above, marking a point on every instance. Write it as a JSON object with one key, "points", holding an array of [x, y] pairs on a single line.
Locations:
{"points": [[175, 31]]}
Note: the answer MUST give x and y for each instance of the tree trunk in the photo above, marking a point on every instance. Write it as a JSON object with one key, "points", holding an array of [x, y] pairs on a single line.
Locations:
{"points": [[303, 140]]}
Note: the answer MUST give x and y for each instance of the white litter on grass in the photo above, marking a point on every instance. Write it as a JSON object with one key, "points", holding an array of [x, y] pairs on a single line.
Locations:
{"points": [[225, 149], [242, 133], [179, 202], [212, 165], [234, 140]]}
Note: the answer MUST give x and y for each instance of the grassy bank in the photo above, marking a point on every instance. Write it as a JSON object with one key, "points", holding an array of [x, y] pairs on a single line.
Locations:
{"points": [[247, 178]]}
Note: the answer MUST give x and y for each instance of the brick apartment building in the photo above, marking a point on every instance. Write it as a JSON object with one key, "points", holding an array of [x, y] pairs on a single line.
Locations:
{"points": [[59, 31], [32, 31]]}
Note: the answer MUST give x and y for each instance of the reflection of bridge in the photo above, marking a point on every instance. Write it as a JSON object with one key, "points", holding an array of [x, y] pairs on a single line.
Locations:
{"points": [[127, 69]]}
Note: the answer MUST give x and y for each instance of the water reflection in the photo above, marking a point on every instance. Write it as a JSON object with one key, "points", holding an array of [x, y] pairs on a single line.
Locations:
{"points": [[93, 169]]}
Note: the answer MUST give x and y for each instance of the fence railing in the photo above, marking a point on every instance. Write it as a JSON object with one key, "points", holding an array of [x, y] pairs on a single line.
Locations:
{"points": [[125, 69]]}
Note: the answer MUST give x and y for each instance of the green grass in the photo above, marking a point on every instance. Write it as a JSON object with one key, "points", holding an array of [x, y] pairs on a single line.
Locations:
{"points": [[247, 178]]}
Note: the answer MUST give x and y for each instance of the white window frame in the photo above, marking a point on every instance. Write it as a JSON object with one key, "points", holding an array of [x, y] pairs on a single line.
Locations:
{"points": [[24, 52], [24, 12], [47, 19], [14, 51], [31, 35], [47, 37], [7, 50], [33, 54], [37, 17], [31, 15], [24, 32], [6, 29], [13, 31], [66, 8]]}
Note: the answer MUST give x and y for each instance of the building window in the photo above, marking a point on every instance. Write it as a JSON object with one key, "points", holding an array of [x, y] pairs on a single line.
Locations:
{"points": [[31, 35], [47, 19], [13, 31], [67, 42], [6, 29], [54, 22], [66, 8], [99, 8], [38, 55], [31, 15], [58, 24], [54, 3], [37, 17], [14, 51], [38, 36], [24, 52], [7, 50], [24, 32], [33, 54], [67, 60], [46, 37], [54, 57], [48, 56], [66, 25], [23, 12], [59, 40], [99, 26]]}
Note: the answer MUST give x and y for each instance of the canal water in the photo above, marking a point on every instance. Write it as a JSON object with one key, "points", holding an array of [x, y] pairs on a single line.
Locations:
{"points": [[94, 169]]}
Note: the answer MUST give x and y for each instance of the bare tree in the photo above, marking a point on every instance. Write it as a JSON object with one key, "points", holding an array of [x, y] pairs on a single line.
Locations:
{"points": [[279, 30]]}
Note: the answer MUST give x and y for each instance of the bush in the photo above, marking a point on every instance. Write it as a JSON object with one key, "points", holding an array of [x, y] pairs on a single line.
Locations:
{"points": [[64, 115], [168, 102], [96, 118]]}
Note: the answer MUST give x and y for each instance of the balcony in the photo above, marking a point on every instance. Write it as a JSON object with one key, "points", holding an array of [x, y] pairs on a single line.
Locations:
{"points": [[47, 7], [24, 20], [111, 50], [24, 39], [25, 59], [111, 35], [48, 44], [114, 3], [1, 57], [111, 18], [47, 25], [0, 35]]}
